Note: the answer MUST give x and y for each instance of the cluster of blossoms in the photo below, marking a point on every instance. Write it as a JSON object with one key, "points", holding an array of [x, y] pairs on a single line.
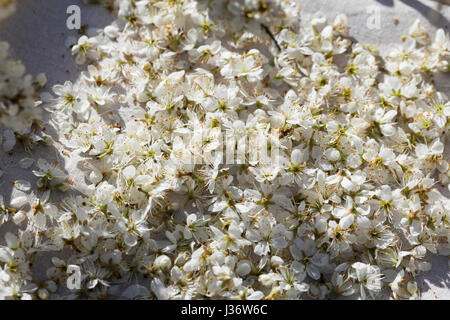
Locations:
{"points": [[19, 98], [351, 203]]}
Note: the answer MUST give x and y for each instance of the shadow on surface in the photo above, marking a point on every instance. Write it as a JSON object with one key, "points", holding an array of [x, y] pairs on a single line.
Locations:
{"points": [[437, 277], [433, 16], [37, 35], [389, 3]]}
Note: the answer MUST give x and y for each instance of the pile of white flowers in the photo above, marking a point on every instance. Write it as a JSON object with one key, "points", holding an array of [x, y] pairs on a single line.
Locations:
{"points": [[351, 203], [19, 98]]}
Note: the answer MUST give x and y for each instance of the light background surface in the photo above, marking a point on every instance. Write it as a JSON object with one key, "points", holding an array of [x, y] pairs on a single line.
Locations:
{"points": [[37, 34]]}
